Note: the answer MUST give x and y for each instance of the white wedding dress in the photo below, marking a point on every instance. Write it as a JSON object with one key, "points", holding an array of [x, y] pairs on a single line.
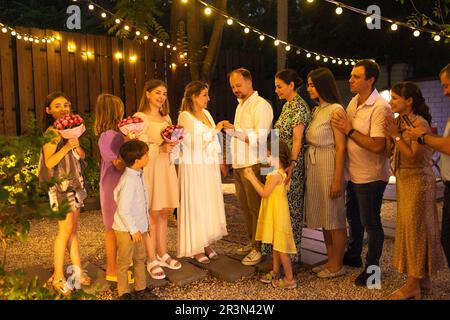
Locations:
{"points": [[201, 215]]}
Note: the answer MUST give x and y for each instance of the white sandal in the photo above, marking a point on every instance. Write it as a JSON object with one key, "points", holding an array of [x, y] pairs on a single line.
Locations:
{"points": [[154, 268], [174, 264]]}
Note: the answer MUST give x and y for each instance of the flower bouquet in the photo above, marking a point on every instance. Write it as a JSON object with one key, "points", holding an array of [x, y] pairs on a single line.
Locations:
{"points": [[70, 126], [131, 125], [173, 134]]}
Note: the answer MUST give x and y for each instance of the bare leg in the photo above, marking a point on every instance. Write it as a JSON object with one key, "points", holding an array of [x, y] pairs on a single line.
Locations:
{"points": [[161, 232], [59, 249], [72, 243], [276, 262], [329, 246], [336, 248], [287, 266], [111, 253], [150, 238]]}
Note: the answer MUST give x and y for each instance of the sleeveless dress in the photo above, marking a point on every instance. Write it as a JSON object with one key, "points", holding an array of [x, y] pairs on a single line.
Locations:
{"points": [[322, 211], [68, 171], [160, 174], [274, 222]]}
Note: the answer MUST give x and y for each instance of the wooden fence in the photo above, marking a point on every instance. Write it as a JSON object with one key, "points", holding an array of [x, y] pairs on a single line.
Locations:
{"points": [[29, 71]]}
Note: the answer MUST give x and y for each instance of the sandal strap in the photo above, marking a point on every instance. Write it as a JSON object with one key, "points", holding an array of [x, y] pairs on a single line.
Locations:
{"points": [[163, 258], [153, 264]]}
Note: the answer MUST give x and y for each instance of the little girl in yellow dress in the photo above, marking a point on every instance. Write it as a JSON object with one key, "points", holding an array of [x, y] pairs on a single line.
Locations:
{"points": [[274, 223]]}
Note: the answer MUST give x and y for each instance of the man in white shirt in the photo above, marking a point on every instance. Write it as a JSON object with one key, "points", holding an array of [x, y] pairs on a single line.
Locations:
{"points": [[441, 144], [367, 166], [252, 123]]}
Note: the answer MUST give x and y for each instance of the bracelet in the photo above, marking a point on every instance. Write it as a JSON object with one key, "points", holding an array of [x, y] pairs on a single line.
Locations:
{"points": [[349, 134], [294, 161]]}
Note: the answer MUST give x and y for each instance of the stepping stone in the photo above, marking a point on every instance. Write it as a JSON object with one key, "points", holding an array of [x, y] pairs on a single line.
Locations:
{"points": [[187, 274], [226, 268], [313, 245], [37, 271], [98, 275], [153, 283]]}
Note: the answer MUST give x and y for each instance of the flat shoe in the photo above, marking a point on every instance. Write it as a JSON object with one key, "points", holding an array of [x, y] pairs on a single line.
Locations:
{"points": [[326, 274], [174, 264], [203, 260], [283, 284], [213, 255], [318, 269]]}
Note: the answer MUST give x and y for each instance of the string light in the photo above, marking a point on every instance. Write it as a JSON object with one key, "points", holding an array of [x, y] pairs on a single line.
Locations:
{"points": [[184, 1], [230, 22], [126, 27], [262, 35], [339, 10], [4, 30], [208, 11], [117, 21], [138, 33], [308, 55], [91, 7], [437, 38], [394, 23], [13, 33], [298, 52], [103, 15], [118, 55], [145, 37], [133, 58]]}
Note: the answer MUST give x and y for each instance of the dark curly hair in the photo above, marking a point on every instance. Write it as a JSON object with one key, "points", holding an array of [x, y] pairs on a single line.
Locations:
{"points": [[408, 89]]}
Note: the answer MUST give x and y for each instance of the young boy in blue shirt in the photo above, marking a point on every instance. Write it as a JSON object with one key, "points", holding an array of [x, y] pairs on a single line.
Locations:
{"points": [[131, 221]]}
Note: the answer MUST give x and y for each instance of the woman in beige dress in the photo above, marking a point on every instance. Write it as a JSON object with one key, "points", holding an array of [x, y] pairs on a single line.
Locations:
{"points": [[325, 185], [417, 249], [160, 175]]}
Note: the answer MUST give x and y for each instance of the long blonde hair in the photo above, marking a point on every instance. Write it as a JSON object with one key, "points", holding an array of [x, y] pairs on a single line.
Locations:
{"points": [[108, 112], [193, 88], [151, 85]]}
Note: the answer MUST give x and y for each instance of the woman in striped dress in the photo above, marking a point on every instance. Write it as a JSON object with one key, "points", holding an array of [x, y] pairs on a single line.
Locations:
{"points": [[325, 184]]}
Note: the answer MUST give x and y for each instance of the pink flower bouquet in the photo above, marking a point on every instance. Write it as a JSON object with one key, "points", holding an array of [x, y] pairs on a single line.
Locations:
{"points": [[173, 134], [131, 125], [70, 126]]}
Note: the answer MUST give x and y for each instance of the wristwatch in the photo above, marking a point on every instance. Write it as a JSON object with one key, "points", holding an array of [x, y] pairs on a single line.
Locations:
{"points": [[421, 139], [349, 134]]}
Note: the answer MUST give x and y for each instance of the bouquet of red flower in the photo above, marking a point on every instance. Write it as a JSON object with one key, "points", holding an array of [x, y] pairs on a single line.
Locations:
{"points": [[132, 126], [173, 134], [70, 126]]}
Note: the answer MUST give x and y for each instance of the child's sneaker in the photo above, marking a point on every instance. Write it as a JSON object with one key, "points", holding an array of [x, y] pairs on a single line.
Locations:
{"points": [[283, 284]]}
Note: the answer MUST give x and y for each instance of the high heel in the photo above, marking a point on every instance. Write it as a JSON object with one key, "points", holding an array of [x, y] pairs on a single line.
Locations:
{"points": [[400, 295]]}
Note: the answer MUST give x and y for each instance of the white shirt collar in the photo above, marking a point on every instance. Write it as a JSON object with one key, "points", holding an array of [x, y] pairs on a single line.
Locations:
{"points": [[134, 172], [254, 94], [370, 100]]}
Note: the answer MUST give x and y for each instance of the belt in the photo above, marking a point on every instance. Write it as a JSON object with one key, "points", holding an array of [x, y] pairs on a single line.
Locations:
{"points": [[311, 152]]}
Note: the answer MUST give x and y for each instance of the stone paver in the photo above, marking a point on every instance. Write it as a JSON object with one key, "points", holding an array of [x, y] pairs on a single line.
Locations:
{"points": [[226, 268], [187, 274]]}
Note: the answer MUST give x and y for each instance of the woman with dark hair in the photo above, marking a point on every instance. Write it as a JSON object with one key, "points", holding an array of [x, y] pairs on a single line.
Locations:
{"points": [[160, 175], [325, 184], [201, 217], [417, 249], [291, 124]]}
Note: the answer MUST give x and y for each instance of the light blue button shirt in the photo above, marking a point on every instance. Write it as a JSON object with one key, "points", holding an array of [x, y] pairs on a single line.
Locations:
{"points": [[132, 203]]}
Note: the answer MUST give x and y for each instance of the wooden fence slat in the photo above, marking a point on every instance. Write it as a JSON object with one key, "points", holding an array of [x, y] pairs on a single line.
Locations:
{"points": [[68, 73], [93, 72], [149, 60], [105, 65], [81, 73], [40, 76], [7, 77], [115, 64], [25, 77], [52, 68], [139, 72], [2, 120], [130, 91]]}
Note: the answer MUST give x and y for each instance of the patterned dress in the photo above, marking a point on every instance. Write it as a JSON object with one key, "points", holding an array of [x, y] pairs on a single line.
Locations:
{"points": [[294, 113]]}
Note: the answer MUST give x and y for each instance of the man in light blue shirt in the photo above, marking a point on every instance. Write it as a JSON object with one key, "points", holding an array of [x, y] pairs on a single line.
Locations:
{"points": [[131, 221]]}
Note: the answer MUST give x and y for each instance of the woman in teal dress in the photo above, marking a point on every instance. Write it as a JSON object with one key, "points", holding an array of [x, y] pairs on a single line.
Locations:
{"points": [[292, 124]]}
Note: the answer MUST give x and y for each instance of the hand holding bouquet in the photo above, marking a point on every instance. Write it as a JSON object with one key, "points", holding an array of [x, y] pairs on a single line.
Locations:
{"points": [[173, 135], [132, 126], [70, 126]]}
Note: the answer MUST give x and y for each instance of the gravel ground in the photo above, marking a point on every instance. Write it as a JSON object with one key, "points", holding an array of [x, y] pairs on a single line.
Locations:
{"points": [[37, 250]]}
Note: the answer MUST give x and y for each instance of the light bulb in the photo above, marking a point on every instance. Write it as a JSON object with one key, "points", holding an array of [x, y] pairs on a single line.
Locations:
{"points": [[4, 30], [230, 22], [138, 33], [117, 21], [246, 30], [145, 38], [262, 37], [325, 59], [437, 38], [126, 28], [13, 33], [416, 33], [276, 42], [334, 61], [369, 20], [308, 55], [118, 55], [91, 7], [103, 15], [133, 58], [394, 27], [288, 48], [161, 44], [208, 11], [339, 10], [298, 52], [317, 58]]}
